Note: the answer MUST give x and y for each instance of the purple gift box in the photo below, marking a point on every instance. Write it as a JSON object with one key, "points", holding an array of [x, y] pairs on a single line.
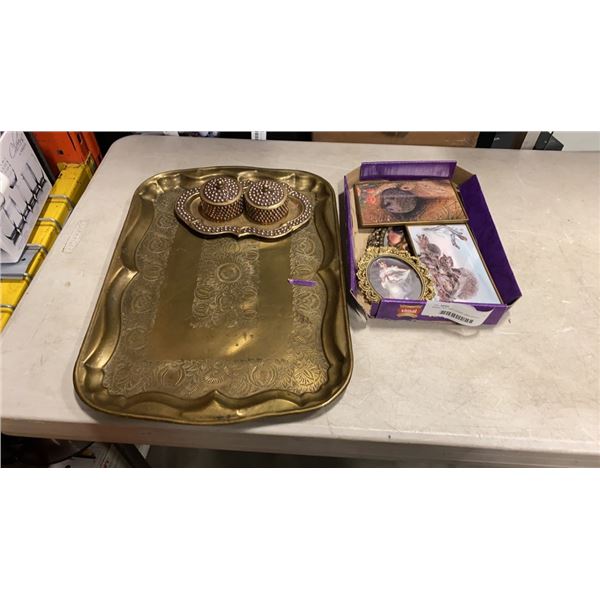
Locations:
{"points": [[483, 229]]}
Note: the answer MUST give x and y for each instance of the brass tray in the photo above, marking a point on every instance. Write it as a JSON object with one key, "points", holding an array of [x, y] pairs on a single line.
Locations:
{"points": [[210, 330], [187, 208]]}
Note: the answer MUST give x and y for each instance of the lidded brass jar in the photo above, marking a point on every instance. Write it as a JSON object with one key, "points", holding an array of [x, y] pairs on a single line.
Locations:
{"points": [[266, 201], [222, 198]]}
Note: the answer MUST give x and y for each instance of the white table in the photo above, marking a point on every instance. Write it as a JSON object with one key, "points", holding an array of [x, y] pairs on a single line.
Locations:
{"points": [[524, 392]]}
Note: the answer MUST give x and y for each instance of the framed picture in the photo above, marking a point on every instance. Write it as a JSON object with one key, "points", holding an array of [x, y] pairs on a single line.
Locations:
{"points": [[396, 237], [389, 273], [456, 266], [423, 201], [389, 236]]}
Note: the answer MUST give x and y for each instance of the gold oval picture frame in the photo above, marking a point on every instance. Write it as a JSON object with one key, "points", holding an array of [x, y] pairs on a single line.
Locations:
{"points": [[382, 277]]}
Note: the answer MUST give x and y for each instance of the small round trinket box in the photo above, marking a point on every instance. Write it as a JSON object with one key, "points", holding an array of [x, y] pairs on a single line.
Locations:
{"points": [[222, 199], [266, 201]]}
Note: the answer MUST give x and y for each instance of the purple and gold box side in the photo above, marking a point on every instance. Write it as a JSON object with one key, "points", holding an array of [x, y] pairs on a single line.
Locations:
{"points": [[403, 309], [441, 169], [480, 221], [485, 232]]}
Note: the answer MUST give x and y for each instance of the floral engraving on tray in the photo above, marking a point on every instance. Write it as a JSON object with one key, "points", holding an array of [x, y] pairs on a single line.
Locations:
{"points": [[233, 282], [226, 293]]}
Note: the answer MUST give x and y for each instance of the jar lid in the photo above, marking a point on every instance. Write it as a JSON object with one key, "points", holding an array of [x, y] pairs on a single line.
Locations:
{"points": [[221, 191], [266, 194]]}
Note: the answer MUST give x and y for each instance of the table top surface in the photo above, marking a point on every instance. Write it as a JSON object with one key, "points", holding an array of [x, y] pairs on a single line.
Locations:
{"points": [[530, 384]]}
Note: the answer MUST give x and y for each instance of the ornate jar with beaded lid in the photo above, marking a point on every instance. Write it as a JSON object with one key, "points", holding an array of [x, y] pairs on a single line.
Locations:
{"points": [[266, 201], [222, 198]]}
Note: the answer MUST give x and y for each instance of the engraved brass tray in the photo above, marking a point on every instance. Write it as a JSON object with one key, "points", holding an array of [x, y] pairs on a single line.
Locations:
{"points": [[210, 330]]}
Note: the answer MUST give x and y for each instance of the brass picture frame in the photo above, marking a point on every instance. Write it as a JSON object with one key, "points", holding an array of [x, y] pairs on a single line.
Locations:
{"points": [[373, 254], [383, 217]]}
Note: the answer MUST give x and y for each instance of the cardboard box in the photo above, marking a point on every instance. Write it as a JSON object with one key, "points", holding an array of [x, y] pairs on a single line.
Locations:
{"points": [[481, 225], [462, 139], [24, 188]]}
